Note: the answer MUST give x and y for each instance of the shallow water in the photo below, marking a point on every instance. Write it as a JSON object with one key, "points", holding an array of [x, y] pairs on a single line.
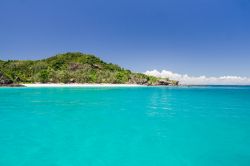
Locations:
{"points": [[139, 126]]}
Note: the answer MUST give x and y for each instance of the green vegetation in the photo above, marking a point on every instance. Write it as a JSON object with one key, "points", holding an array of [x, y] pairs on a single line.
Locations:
{"points": [[70, 68]]}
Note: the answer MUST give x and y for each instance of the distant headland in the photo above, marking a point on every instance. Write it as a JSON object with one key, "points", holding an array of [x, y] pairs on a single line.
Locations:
{"points": [[72, 68]]}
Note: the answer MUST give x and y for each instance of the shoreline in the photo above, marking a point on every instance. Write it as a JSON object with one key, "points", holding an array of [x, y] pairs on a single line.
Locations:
{"points": [[39, 85], [72, 85]]}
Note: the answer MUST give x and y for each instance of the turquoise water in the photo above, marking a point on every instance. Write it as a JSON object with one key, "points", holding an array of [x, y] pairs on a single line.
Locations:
{"points": [[152, 126]]}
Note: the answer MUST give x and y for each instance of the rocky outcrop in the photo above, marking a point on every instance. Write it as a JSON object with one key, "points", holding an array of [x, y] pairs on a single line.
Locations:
{"points": [[4, 80], [166, 82], [163, 82]]}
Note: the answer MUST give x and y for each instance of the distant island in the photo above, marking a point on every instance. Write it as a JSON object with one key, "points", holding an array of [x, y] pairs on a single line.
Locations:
{"points": [[70, 68]]}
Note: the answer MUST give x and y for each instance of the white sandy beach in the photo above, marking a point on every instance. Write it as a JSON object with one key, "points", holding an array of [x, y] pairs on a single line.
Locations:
{"points": [[39, 85]]}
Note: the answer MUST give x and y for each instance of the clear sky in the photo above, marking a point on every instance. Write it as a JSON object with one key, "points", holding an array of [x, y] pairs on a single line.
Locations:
{"points": [[198, 37]]}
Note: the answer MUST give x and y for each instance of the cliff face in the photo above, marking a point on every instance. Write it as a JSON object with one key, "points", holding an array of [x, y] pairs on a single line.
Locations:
{"points": [[71, 68]]}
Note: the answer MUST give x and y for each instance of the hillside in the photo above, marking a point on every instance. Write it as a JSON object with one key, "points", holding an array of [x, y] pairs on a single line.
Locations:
{"points": [[72, 68]]}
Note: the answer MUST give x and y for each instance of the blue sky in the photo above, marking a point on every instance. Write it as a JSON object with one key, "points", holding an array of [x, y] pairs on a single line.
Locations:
{"points": [[198, 37]]}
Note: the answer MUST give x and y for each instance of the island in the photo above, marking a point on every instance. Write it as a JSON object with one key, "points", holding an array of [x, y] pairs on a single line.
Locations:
{"points": [[72, 68]]}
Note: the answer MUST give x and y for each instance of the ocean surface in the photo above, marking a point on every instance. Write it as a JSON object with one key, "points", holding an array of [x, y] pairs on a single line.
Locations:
{"points": [[139, 126]]}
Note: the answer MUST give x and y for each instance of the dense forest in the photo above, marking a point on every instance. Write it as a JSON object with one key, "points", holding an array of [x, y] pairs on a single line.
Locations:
{"points": [[72, 68]]}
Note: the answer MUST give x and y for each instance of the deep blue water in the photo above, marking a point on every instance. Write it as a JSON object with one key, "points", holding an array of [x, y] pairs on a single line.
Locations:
{"points": [[149, 126]]}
